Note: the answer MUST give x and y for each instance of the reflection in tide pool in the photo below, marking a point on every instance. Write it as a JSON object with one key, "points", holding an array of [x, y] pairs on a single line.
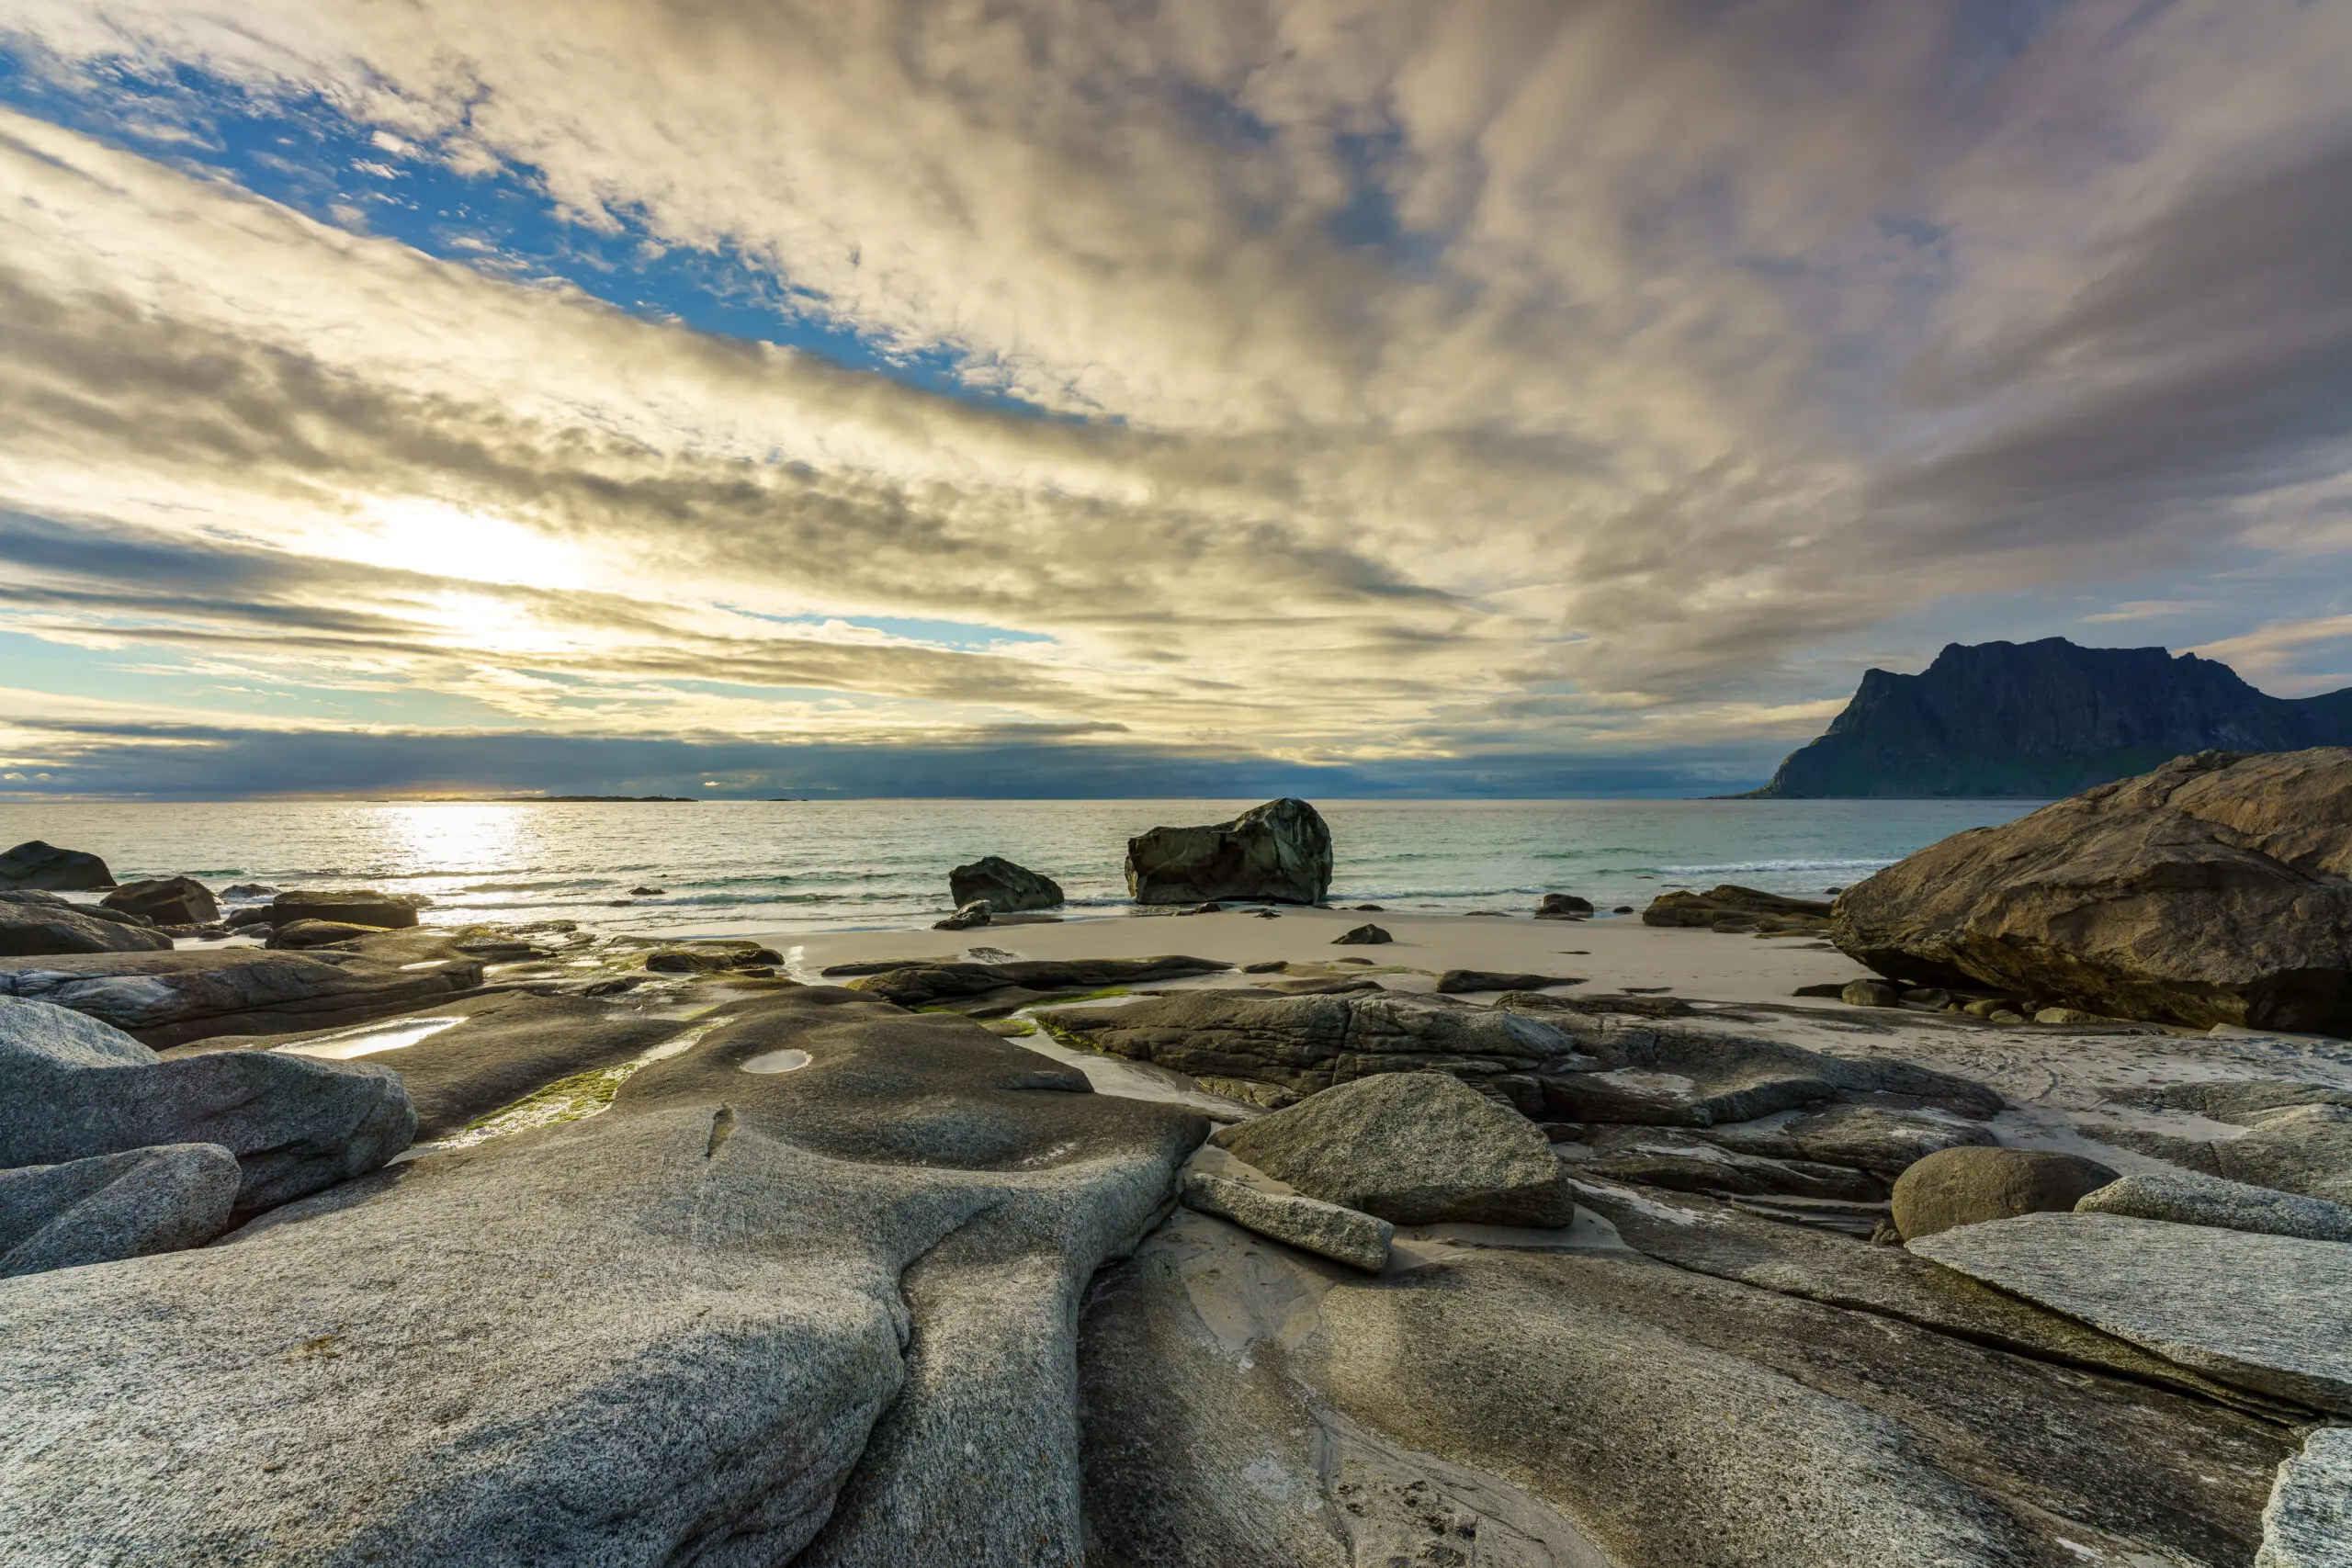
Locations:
{"points": [[369, 1038], [776, 1062]]}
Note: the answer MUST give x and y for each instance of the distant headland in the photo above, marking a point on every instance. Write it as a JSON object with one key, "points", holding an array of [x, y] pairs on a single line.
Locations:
{"points": [[2044, 719]]}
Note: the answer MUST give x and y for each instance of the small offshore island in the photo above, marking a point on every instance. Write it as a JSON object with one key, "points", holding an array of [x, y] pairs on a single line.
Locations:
{"points": [[1996, 1209]]}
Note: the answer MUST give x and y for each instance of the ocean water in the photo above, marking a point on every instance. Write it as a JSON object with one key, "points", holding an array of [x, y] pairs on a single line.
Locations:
{"points": [[732, 866]]}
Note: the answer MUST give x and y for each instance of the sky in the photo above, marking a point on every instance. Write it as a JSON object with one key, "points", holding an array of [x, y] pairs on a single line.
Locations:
{"points": [[1083, 398]]}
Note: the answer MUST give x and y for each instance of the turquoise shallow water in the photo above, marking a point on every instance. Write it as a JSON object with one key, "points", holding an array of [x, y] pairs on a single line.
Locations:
{"points": [[842, 864]]}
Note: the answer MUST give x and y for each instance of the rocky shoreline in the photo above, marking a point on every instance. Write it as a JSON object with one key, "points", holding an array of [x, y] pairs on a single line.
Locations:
{"points": [[401, 1244]]}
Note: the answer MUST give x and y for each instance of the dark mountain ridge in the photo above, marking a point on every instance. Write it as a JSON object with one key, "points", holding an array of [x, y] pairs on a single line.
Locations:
{"points": [[2044, 719]]}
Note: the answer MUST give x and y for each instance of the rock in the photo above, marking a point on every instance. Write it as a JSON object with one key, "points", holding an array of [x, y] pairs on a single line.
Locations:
{"points": [[1731, 904], [39, 924], [168, 998], [384, 912], [1883, 1140], [1562, 907], [1712, 1237], [1622, 909], [1361, 936], [108, 1207], [1279, 852], [1414, 1148], [1455, 982], [248, 890], [2213, 890], [1685, 1163], [1304, 1045], [470, 1055], [970, 915], [1006, 889], [715, 957], [1369, 909], [1254, 1408], [2268, 1313], [824, 1316], [78, 1088], [2307, 1523], [167, 901], [2072, 1016], [1270, 966], [646, 892], [2187, 1198], [1870, 994], [297, 935], [1972, 1185], [930, 984], [1345, 1236], [36, 866]]}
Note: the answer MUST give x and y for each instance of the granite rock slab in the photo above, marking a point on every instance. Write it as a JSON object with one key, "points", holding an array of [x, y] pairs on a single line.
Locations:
{"points": [[1328, 1230], [169, 999], [111, 1207], [1414, 1148], [2189, 1198], [2268, 1313], [75, 1088], [2307, 1523]]}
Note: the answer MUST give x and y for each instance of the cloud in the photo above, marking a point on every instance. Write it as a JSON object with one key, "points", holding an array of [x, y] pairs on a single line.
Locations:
{"points": [[1550, 378]]}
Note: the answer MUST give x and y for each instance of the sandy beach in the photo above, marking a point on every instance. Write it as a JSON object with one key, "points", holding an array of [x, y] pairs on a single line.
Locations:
{"points": [[1609, 954]]}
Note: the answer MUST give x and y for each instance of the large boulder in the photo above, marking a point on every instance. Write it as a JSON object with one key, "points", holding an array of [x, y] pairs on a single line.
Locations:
{"points": [[1004, 887], [2217, 890], [1413, 1148], [1279, 852], [824, 1315], [168, 999], [33, 865], [166, 900], [78, 1088], [1971, 1186], [109, 1207], [38, 924]]}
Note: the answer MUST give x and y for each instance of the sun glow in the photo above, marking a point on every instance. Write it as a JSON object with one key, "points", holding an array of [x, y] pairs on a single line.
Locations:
{"points": [[411, 534]]}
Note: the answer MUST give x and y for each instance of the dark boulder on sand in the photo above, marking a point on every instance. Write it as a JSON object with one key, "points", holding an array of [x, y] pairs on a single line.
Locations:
{"points": [[36, 865], [1563, 907], [2217, 890], [1004, 887], [166, 900], [1279, 852], [32, 924], [365, 908], [1733, 909]]}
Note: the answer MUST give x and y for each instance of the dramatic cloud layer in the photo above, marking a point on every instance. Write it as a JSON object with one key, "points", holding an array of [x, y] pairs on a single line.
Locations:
{"points": [[1512, 396]]}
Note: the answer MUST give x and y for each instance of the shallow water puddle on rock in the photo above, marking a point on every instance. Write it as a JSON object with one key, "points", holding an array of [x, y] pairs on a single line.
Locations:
{"points": [[574, 1099], [369, 1038], [775, 1062], [426, 963]]}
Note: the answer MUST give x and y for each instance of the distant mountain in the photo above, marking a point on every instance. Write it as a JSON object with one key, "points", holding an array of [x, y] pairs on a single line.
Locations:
{"points": [[2044, 719]]}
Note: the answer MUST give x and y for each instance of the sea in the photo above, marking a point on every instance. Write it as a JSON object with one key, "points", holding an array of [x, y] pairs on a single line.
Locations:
{"points": [[731, 867]]}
